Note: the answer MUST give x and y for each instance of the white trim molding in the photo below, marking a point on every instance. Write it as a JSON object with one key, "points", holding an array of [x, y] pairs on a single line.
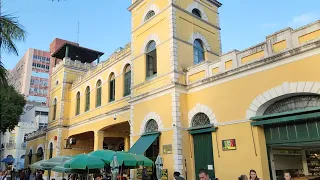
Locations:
{"points": [[151, 7], [154, 116], [197, 35], [273, 94], [97, 79], [124, 64], [40, 146], [196, 5], [200, 108], [151, 37]]}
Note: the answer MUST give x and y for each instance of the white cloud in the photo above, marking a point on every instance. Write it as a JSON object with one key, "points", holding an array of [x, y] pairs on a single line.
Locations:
{"points": [[303, 19]]}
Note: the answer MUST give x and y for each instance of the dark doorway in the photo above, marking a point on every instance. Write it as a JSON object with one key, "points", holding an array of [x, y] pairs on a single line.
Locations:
{"points": [[152, 152]]}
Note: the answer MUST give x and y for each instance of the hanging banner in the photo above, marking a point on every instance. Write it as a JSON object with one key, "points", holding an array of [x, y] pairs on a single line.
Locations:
{"points": [[229, 144]]}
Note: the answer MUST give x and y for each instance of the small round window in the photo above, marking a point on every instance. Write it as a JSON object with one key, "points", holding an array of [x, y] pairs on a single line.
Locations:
{"points": [[196, 12], [57, 82], [149, 15]]}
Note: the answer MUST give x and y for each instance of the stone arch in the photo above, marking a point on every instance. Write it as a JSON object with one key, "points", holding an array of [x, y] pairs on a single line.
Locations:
{"points": [[199, 108], [51, 141], [151, 37], [197, 35], [196, 5], [151, 7], [124, 65], [56, 97], [97, 79], [149, 116], [40, 146], [262, 101]]}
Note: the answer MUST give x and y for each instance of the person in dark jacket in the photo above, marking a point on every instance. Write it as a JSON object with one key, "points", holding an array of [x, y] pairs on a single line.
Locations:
{"points": [[145, 174], [177, 176]]}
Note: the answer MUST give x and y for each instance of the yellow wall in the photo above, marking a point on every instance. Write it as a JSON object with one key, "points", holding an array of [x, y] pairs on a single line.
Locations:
{"points": [[310, 36], [279, 46], [197, 76], [215, 70], [252, 57], [228, 64]]}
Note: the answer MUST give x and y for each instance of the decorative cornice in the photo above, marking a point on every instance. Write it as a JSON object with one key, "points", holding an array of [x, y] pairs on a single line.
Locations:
{"points": [[135, 4], [258, 63]]}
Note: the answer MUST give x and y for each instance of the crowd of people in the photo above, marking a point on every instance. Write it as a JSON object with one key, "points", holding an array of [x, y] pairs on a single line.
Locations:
{"points": [[22, 174], [253, 176]]}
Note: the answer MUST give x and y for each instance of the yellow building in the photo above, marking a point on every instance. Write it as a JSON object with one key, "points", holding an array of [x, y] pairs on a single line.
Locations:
{"points": [[171, 92]]}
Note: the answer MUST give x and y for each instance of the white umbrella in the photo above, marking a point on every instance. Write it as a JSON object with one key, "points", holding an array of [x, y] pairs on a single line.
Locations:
{"points": [[114, 167], [159, 167]]}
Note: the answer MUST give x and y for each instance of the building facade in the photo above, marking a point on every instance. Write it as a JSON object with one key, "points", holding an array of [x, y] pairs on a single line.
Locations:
{"points": [[14, 143], [170, 92], [31, 76]]}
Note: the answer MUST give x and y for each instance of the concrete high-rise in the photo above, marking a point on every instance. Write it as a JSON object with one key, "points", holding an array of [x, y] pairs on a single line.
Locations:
{"points": [[31, 76]]}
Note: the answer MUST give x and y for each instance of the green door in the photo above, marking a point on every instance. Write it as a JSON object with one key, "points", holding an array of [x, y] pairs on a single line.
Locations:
{"points": [[203, 153]]}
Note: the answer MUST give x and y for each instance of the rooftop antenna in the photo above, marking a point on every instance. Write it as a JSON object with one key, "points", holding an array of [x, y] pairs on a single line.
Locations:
{"points": [[78, 32]]}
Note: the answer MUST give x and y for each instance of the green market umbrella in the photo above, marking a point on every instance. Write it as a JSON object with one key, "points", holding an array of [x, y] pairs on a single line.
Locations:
{"points": [[37, 165], [143, 161], [84, 161], [51, 163], [123, 158], [62, 169]]}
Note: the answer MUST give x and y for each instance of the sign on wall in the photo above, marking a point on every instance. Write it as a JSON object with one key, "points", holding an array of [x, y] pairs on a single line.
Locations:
{"points": [[229, 144], [150, 173], [167, 149]]}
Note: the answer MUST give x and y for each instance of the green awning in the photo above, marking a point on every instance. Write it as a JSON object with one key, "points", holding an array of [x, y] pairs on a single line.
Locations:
{"points": [[143, 143], [298, 115]]}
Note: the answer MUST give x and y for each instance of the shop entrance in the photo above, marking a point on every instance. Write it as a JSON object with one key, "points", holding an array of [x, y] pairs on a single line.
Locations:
{"points": [[152, 153], [203, 152], [292, 133], [202, 144]]}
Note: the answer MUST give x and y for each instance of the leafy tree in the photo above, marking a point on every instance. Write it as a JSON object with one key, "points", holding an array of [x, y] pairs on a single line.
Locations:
{"points": [[11, 107]]}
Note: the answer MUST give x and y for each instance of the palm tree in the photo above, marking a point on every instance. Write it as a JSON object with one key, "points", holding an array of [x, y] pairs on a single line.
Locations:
{"points": [[10, 32]]}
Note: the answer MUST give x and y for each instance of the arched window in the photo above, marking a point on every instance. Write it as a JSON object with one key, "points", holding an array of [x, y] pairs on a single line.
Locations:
{"points": [[196, 12], [87, 107], [149, 15], [78, 104], [151, 63], [50, 150], [112, 88], [127, 80], [200, 119], [39, 154], [54, 109], [30, 156], [151, 126], [198, 51], [293, 103], [98, 98]]}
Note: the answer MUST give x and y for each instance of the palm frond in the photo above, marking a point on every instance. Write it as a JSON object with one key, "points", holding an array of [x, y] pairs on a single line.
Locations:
{"points": [[3, 76], [11, 31]]}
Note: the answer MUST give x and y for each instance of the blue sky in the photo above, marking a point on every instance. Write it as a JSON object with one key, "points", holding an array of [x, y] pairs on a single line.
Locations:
{"points": [[105, 24]]}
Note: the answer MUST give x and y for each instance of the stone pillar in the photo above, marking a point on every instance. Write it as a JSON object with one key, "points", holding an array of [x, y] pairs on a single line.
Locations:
{"points": [[126, 143], [67, 52], [98, 140], [304, 163]]}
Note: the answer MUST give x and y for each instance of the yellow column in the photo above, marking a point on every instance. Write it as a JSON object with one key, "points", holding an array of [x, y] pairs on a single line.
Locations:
{"points": [[98, 140], [126, 143]]}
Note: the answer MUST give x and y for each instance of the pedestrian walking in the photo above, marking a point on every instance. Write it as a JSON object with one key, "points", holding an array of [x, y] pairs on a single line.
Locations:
{"points": [[287, 176], [177, 176], [253, 175], [243, 177]]}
